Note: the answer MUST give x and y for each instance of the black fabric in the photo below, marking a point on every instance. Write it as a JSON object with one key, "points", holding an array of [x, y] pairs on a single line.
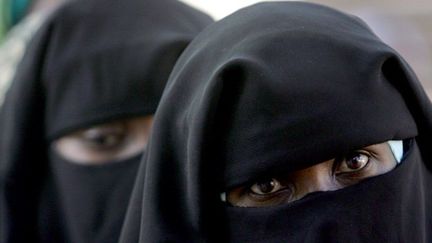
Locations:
{"points": [[92, 62], [288, 85], [94, 198]]}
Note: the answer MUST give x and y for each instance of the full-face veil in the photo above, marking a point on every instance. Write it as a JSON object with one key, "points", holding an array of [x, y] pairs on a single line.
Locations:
{"points": [[273, 88]]}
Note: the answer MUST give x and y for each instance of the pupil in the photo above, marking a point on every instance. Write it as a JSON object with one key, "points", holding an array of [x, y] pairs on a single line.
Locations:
{"points": [[101, 140], [357, 161], [267, 186]]}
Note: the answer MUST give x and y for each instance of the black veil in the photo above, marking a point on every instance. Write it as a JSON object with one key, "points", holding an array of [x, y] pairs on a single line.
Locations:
{"points": [[91, 62], [273, 88]]}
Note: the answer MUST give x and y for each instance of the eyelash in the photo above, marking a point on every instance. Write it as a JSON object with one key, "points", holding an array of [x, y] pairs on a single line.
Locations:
{"points": [[283, 188], [338, 162], [285, 194], [287, 190], [351, 177]]}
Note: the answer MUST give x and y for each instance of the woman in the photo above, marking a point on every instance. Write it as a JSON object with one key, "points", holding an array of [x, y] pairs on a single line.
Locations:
{"points": [[303, 126], [75, 122]]}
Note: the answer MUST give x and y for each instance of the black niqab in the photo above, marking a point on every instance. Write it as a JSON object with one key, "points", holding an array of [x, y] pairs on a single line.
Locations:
{"points": [[92, 62], [288, 85]]}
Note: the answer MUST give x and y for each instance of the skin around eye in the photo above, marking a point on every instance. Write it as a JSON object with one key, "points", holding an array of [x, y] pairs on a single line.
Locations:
{"points": [[329, 175], [113, 141]]}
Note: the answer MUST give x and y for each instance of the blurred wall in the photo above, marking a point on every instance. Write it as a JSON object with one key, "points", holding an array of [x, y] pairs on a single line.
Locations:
{"points": [[220, 8], [403, 24], [406, 25]]}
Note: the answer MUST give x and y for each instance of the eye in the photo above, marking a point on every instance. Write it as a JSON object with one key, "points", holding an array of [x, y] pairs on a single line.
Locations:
{"points": [[107, 142], [104, 137], [266, 187], [262, 193], [353, 163]]}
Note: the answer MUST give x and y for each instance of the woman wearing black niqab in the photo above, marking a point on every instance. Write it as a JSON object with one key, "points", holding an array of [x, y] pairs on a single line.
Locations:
{"points": [[83, 95], [289, 86]]}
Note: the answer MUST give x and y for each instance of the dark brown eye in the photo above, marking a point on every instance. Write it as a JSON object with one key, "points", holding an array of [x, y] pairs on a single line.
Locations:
{"points": [[357, 162], [266, 187], [353, 163]]}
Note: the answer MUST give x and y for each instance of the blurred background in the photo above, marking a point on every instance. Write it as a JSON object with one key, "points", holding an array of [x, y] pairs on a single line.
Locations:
{"points": [[406, 25], [403, 24]]}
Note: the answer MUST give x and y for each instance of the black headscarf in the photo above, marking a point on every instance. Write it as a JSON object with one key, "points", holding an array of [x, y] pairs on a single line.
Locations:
{"points": [[270, 89], [92, 62]]}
